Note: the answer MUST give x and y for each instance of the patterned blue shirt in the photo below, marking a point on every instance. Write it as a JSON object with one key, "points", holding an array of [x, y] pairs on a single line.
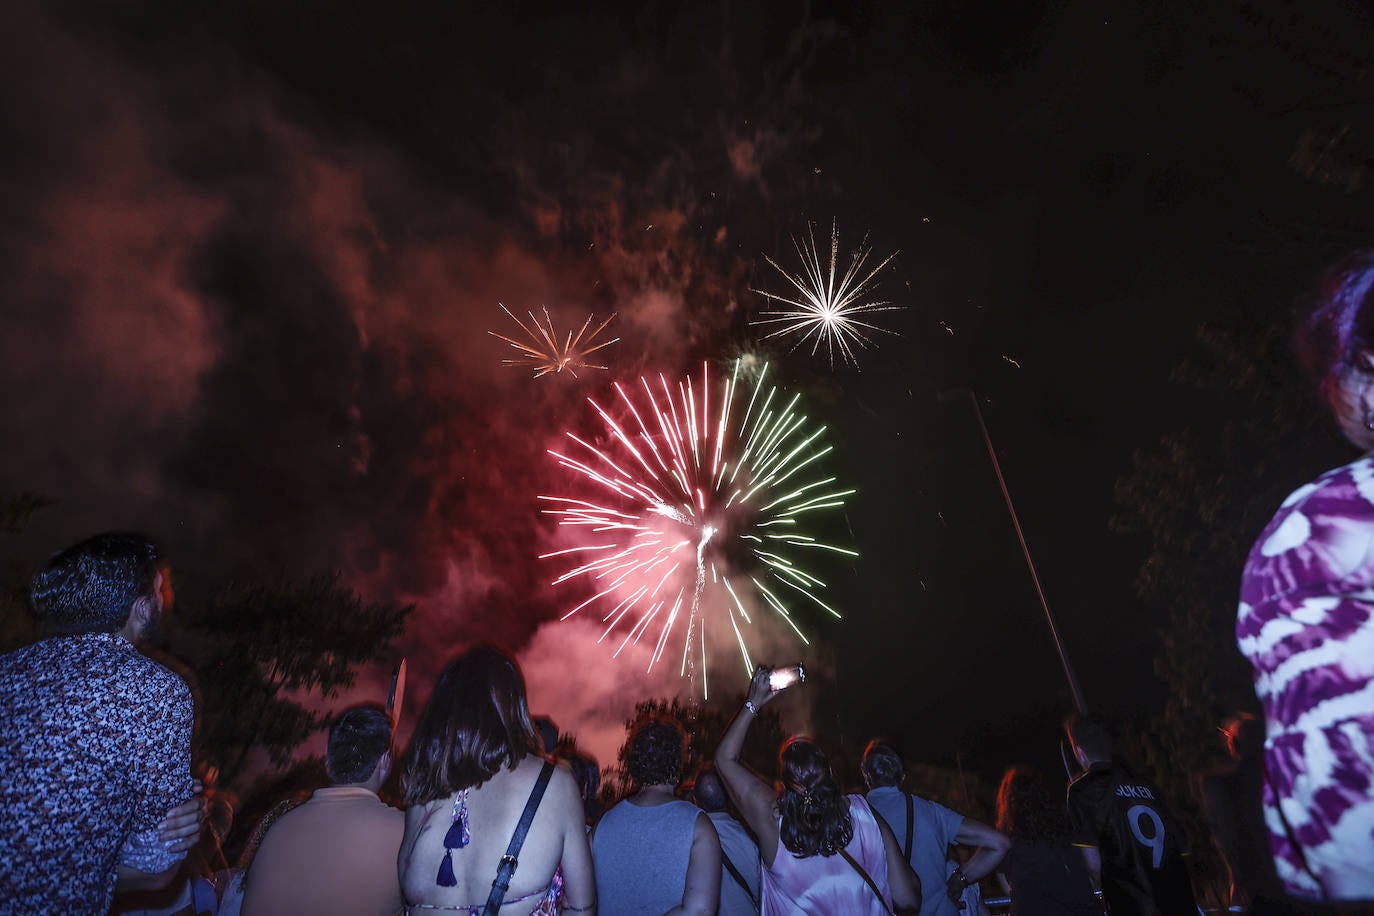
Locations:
{"points": [[95, 748]]}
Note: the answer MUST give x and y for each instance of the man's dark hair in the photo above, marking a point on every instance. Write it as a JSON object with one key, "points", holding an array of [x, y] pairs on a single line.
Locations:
{"points": [[1091, 734], [357, 741], [709, 790], [882, 766], [655, 756], [91, 586]]}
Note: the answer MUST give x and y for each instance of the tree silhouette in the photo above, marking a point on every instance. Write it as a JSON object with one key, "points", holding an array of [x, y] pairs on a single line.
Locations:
{"points": [[16, 623], [255, 651], [1201, 497]]}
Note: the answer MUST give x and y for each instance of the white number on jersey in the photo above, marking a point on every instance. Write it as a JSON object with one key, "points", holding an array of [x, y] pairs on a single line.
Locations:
{"points": [[1155, 842]]}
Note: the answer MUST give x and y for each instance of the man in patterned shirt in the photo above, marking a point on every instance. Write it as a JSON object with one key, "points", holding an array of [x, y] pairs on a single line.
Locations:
{"points": [[95, 739]]}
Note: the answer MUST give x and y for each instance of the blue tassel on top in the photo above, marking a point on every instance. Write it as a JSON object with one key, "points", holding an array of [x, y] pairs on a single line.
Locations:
{"points": [[457, 837], [446, 877]]}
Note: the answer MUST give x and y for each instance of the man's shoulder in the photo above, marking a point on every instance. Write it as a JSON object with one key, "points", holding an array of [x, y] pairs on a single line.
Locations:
{"points": [[885, 796], [1091, 787], [98, 662], [1096, 776], [349, 814], [928, 808], [156, 683]]}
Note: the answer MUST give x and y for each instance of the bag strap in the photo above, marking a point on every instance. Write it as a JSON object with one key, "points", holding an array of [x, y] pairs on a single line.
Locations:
{"points": [[910, 825], [510, 860], [867, 880], [739, 878]]}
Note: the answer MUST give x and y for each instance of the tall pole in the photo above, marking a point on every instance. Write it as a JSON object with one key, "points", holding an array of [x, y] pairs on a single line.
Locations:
{"points": [[1078, 702]]}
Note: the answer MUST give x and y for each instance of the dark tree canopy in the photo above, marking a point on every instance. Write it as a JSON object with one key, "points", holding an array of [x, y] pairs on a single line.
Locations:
{"points": [[256, 649]]}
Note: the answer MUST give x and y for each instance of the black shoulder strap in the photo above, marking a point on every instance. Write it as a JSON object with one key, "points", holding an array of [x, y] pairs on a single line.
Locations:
{"points": [[510, 860], [910, 825], [739, 878], [867, 880], [877, 815]]}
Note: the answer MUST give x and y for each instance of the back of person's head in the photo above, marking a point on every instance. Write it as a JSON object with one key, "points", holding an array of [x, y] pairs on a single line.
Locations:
{"points": [[882, 766], [815, 813], [709, 791], [476, 721], [357, 741], [655, 750], [1338, 323], [1025, 811], [91, 586], [1090, 735]]}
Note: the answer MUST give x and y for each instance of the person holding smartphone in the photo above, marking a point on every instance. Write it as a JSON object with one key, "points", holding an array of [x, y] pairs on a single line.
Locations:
{"points": [[821, 851]]}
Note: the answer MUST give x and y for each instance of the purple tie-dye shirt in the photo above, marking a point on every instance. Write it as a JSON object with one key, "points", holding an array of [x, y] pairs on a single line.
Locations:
{"points": [[1306, 623]]}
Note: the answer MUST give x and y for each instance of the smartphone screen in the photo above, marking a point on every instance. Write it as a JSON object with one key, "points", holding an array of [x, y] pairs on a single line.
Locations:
{"points": [[785, 677]]}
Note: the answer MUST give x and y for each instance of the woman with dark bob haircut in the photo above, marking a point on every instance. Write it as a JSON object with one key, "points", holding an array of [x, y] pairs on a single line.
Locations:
{"points": [[822, 851], [1044, 874], [473, 763], [1306, 622]]}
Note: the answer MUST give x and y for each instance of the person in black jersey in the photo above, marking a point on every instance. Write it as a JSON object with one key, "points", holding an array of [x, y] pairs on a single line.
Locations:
{"points": [[1133, 850]]}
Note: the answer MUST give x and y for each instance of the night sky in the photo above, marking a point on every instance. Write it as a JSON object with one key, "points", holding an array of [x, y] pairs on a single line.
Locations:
{"points": [[251, 252]]}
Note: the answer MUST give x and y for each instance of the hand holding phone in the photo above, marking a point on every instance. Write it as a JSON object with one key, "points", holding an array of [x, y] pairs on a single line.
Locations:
{"points": [[782, 678]]}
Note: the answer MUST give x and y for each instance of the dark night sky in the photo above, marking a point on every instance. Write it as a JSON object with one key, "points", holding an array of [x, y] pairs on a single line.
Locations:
{"points": [[252, 250]]}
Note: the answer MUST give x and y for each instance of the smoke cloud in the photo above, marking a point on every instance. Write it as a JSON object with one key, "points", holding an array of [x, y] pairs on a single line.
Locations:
{"points": [[260, 331]]}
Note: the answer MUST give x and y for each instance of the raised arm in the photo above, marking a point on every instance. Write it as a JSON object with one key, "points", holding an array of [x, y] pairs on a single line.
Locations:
{"points": [[701, 895], [905, 883], [755, 799]]}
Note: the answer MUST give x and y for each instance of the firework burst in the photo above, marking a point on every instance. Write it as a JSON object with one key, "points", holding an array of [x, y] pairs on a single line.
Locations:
{"points": [[546, 352], [697, 499], [824, 309]]}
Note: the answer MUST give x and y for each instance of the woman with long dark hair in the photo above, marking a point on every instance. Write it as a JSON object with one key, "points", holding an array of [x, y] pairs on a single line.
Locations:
{"points": [[473, 771], [1045, 875], [822, 851]]}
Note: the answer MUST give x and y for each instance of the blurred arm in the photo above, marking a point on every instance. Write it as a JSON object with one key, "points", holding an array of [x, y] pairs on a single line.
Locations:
{"points": [[701, 894]]}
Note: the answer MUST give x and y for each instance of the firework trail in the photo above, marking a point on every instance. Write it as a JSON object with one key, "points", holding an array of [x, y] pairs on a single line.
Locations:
{"points": [[825, 310], [698, 498], [545, 352]]}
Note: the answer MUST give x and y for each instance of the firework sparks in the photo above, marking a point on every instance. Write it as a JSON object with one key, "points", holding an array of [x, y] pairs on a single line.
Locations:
{"points": [[545, 351], [688, 482], [824, 309]]}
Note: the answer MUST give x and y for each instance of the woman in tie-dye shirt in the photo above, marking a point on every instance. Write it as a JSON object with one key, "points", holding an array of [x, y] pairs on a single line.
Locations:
{"points": [[1306, 623]]}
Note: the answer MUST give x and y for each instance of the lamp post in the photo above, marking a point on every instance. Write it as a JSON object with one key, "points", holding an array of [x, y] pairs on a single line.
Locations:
{"points": [[957, 393]]}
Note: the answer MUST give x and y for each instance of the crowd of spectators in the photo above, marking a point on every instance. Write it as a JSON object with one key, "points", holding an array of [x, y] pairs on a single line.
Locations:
{"points": [[495, 814], [102, 812]]}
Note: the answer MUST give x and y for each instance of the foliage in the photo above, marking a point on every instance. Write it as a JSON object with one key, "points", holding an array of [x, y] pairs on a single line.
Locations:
{"points": [[15, 511], [256, 649], [1201, 497], [16, 623]]}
